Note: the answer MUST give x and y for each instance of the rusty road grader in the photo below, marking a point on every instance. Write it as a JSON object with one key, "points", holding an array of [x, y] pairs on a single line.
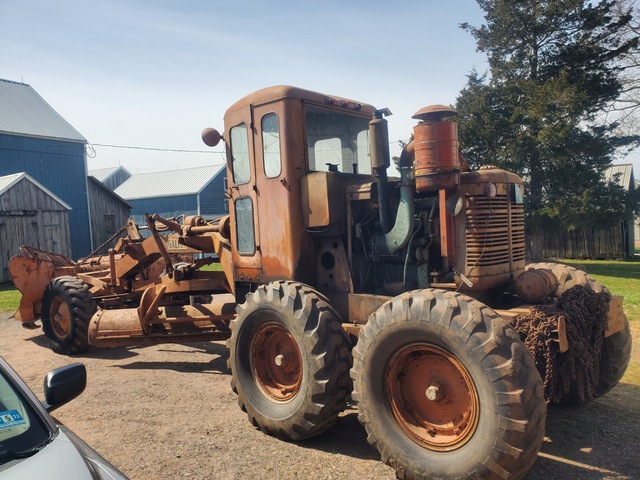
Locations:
{"points": [[335, 281]]}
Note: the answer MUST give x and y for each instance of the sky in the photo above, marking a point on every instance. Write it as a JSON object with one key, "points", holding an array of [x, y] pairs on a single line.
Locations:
{"points": [[152, 74]]}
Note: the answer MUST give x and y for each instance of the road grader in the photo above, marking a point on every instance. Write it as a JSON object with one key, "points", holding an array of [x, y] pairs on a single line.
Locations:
{"points": [[335, 282]]}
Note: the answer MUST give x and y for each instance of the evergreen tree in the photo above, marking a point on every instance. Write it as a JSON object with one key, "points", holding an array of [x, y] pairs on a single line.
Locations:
{"points": [[552, 71]]}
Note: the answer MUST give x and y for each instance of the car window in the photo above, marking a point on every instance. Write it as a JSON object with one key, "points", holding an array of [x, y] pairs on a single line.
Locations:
{"points": [[21, 428]]}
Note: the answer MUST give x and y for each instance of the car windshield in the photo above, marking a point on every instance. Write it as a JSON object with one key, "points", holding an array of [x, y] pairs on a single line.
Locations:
{"points": [[22, 431], [337, 141]]}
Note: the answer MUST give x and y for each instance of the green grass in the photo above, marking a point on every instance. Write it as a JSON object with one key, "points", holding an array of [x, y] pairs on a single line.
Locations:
{"points": [[9, 298], [621, 278]]}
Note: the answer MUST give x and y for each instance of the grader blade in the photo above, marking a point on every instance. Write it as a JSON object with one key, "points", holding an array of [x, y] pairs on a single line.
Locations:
{"points": [[163, 324]]}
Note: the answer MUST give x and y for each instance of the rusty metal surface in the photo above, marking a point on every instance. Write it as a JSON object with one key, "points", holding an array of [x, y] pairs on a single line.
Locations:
{"points": [[55, 259], [616, 316], [30, 276], [356, 307], [436, 162], [276, 362], [128, 326], [534, 285], [559, 335], [322, 205], [490, 236], [436, 404]]}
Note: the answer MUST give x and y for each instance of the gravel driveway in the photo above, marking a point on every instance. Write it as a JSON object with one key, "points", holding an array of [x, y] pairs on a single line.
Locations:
{"points": [[167, 412]]}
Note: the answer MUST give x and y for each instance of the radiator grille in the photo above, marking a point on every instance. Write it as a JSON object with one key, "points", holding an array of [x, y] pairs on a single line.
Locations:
{"points": [[494, 230]]}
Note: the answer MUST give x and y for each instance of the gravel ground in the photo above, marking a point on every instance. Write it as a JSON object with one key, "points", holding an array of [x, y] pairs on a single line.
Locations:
{"points": [[167, 412]]}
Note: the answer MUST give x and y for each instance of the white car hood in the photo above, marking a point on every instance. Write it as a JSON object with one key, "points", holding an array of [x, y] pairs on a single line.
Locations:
{"points": [[59, 460]]}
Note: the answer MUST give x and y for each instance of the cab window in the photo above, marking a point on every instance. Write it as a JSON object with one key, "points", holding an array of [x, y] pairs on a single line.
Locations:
{"points": [[271, 145], [240, 154], [337, 141]]}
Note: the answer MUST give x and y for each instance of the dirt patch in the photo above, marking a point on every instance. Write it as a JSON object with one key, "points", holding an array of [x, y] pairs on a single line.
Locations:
{"points": [[167, 412]]}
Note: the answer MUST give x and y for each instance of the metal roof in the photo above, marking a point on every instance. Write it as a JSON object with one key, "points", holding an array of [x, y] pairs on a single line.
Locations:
{"points": [[9, 181], [24, 112], [621, 174], [102, 174], [188, 181]]}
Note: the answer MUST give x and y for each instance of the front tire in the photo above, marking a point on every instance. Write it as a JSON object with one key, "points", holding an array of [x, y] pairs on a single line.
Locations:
{"points": [[67, 308], [446, 389], [289, 359]]}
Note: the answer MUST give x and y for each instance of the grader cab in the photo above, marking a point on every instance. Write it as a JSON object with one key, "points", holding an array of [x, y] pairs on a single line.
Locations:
{"points": [[409, 295]]}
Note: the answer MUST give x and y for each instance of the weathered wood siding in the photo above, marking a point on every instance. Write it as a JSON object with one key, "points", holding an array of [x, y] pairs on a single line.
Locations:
{"points": [[585, 242], [108, 213], [29, 216]]}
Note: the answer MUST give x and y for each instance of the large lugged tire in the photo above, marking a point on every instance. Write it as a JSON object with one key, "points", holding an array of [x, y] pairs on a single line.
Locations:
{"points": [[569, 277], [446, 389], [616, 348], [615, 359], [289, 358], [67, 308]]}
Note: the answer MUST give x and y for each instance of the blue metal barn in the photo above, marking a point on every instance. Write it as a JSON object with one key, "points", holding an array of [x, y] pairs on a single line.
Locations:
{"points": [[36, 140]]}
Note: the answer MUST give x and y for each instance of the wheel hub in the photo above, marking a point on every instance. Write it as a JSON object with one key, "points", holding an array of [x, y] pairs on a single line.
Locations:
{"points": [[60, 317], [276, 362], [432, 396]]}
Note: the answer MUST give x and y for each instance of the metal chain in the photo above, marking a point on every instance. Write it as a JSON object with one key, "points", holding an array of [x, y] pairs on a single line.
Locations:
{"points": [[104, 244]]}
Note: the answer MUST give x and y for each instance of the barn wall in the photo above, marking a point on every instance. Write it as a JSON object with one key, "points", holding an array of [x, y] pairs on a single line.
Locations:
{"points": [[108, 214], [164, 206], [59, 166], [212, 198], [28, 216]]}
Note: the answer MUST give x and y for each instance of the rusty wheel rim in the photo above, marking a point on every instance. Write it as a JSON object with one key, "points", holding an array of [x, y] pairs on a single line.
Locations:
{"points": [[276, 362], [432, 397], [60, 316]]}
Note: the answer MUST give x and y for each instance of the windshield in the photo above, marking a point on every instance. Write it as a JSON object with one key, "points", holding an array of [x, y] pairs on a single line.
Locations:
{"points": [[22, 432], [337, 141]]}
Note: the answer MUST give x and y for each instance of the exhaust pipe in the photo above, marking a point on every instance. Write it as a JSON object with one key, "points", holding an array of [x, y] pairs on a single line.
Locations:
{"points": [[405, 221]]}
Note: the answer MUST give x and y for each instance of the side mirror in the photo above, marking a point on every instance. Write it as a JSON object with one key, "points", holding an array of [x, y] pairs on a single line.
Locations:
{"points": [[63, 384], [211, 137]]}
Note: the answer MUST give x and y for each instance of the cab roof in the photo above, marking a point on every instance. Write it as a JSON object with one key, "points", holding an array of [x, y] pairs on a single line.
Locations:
{"points": [[281, 92]]}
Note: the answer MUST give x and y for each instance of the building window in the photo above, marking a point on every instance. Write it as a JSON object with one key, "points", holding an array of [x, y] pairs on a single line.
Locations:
{"points": [[244, 226], [240, 154], [271, 145]]}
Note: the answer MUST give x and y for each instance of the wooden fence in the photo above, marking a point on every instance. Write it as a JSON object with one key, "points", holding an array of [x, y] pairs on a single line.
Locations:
{"points": [[586, 243]]}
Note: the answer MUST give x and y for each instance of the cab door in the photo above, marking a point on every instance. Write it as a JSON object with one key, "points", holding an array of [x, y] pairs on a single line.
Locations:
{"points": [[243, 202]]}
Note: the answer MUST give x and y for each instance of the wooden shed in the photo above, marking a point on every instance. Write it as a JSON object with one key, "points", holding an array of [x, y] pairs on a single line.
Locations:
{"points": [[108, 212], [30, 215]]}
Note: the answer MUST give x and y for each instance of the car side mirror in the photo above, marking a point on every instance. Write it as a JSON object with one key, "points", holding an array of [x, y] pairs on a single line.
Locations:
{"points": [[63, 384]]}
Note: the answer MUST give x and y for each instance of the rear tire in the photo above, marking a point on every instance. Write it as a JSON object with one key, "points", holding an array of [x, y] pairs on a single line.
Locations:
{"points": [[289, 358], [67, 308], [616, 352], [446, 389]]}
